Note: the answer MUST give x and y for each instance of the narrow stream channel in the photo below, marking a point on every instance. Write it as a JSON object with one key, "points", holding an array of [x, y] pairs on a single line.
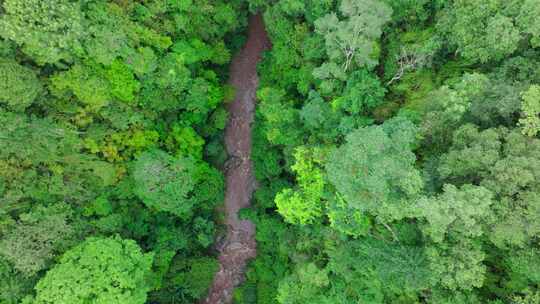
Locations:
{"points": [[239, 245]]}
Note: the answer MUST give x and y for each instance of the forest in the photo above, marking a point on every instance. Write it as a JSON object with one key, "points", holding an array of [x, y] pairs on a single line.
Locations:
{"points": [[395, 146]]}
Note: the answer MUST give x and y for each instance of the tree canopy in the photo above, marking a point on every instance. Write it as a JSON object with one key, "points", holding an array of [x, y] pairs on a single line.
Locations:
{"points": [[108, 270]]}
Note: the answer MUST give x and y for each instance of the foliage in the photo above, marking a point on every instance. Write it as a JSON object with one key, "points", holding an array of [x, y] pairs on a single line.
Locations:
{"points": [[531, 109], [481, 31], [114, 269], [303, 205], [445, 209], [14, 286], [48, 31], [352, 41], [200, 276], [30, 246], [395, 150], [454, 222], [91, 91], [374, 170], [19, 85], [164, 183]]}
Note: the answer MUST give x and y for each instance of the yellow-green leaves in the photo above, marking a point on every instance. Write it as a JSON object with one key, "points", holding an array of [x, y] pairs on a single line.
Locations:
{"points": [[122, 82], [303, 205], [530, 111]]}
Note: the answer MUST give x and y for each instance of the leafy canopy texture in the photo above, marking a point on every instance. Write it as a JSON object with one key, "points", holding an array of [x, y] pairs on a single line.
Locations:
{"points": [[374, 170], [176, 184], [482, 31], [31, 245], [530, 122], [99, 270], [49, 31], [19, 85], [303, 205], [164, 182], [351, 41], [455, 221]]}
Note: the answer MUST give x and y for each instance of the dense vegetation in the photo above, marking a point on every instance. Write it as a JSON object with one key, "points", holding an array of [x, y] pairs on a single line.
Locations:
{"points": [[112, 114], [396, 150], [397, 153]]}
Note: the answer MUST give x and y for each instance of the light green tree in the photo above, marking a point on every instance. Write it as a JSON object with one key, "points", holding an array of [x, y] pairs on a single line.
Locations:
{"points": [[304, 204], [481, 31], [530, 111], [507, 163], [99, 270], [352, 41], [307, 284], [454, 223], [48, 31]]}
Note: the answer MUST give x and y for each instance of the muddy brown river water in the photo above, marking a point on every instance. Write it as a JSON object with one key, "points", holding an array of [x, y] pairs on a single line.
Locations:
{"points": [[239, 245]]}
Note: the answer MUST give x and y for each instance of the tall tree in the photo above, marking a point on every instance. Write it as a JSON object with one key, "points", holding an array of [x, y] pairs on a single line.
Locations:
{"points": [[99, 270], [352, 41], [374, 170], [48, 31], [19, 85]]}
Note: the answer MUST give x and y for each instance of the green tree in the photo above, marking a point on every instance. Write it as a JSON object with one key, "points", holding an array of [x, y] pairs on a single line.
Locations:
{"points": [[374, 170], [303, 205], [352, 41], [527, 21], [280, 119], [85, 82], [123, 84], [400, 268], [200, 275], [455, 222], [48, 31], [13, 285], [307, 284], [362, 93], [19, 85], [99, 270], [346, 218], [164, 182], [32, 243], [505, 162], [523, 269], [481, 31], [112, 35], [447, 108], [177, 185], [43, 163], [530, 108], [464, 211]]}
